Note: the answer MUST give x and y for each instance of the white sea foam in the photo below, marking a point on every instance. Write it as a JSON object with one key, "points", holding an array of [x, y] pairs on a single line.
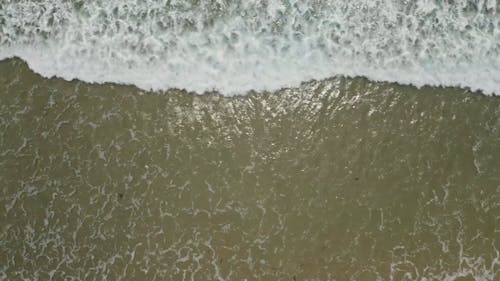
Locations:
{"points": [[241, 45]]}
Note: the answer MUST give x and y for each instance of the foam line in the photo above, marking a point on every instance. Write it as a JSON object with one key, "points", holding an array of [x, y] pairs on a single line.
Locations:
{"points": [[237, 46]]}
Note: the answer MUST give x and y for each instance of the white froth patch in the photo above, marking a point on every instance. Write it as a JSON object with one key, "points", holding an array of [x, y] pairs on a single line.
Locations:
{"points": [[237, 46]]}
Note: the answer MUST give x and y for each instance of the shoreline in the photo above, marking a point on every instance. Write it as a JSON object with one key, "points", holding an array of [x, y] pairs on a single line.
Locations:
{"points": [[16, 61]]}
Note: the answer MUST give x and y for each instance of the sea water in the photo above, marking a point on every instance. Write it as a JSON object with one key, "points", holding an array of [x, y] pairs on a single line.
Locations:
{"points": [[237, 46], [255, 140]]}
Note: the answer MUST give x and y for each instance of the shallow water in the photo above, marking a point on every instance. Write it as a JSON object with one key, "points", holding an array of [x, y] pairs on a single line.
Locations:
{"points": [[341, 179]]}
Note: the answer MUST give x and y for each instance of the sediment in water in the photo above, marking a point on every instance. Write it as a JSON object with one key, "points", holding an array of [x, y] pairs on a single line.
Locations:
{"points": [[343, 179]]}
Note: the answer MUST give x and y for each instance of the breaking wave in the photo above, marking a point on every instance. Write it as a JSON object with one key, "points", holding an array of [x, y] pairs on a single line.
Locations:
{"points": [[242, 45]]}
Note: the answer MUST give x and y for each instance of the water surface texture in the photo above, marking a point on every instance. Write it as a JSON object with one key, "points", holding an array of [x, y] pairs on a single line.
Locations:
{"points": [[250, 140], [239, 45], [341, 179]]}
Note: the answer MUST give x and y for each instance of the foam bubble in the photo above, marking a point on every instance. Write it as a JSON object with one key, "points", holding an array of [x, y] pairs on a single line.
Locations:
{"points": [[237, 46]]}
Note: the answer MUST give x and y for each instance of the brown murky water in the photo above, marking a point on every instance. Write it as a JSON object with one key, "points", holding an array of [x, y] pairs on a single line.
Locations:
{"points": [[343, 179]]}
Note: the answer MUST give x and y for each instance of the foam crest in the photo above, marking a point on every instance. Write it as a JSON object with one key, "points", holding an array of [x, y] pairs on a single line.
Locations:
{"points": [[237, 46]]}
